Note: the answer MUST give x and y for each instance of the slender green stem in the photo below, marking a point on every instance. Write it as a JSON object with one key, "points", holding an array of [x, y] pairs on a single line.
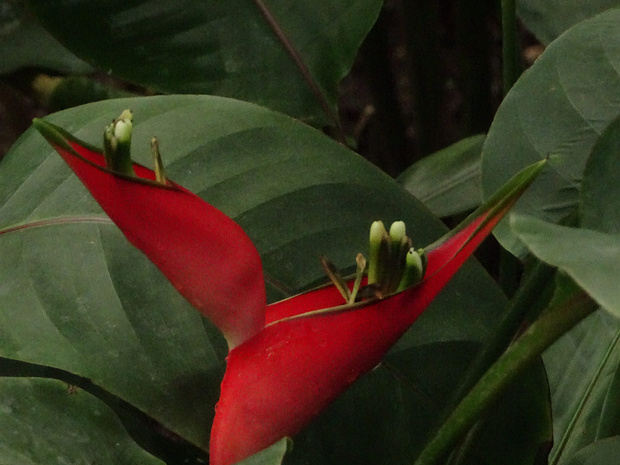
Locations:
{"points": [[511, 63], [522, 303], [555, 322]]}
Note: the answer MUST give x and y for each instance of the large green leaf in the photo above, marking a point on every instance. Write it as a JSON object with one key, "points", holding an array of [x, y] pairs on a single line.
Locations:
{"points": [[45, 422], [547, 19], [77, 296], [599, 203], [591, 258], [558, 109], [233, 49], [603, 452], [583, 366], [448, 181]]}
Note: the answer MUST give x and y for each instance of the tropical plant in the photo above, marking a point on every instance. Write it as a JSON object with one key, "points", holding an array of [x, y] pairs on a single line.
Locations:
{"points": [[104, 356]]}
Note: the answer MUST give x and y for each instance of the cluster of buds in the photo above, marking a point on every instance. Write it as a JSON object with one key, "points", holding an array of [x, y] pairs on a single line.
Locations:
{"points": [[117, 144], [117, 148], [393, 265]]}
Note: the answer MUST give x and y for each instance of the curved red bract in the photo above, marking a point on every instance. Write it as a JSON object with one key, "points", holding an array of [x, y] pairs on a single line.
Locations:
{"points": [[203, 253], [279, 380]]}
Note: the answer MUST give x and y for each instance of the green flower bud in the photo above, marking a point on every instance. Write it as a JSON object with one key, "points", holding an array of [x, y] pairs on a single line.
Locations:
{"points": [[415, 265], [399, 246], [378, 255], [123, 127], [398, 230], [117, 144]]}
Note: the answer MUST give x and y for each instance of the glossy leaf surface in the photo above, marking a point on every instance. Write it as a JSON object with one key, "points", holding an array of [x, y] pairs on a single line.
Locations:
{"points": [[584, 388], [223, 48], [591, 258], [583, 391], [599, 203], [605, 451], [44, 422], [448, 181], [558, 109], [24, 42]]}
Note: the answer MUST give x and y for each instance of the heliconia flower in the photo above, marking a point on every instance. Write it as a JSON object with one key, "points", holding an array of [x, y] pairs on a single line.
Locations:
{"points": [[289, 360], [206, 256]]}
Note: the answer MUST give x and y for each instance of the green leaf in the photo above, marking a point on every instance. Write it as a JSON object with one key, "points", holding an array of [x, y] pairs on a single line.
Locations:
{"points": [[547, 19], [604, 452], [272, 455], [232, 49], [558, 109], [591, 258], [599, 203], [45, 422], [75, 295], [447, 182], [584, 376], [67, 291], [585, 391], [23, 42]]}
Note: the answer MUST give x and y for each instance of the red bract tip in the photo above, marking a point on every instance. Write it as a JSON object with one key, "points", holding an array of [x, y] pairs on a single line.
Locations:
{"points": [[203, 253], [279, 380]]}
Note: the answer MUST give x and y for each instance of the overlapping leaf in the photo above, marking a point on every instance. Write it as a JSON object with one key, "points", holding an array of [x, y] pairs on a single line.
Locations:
{"points": [[448, 181], [585, 389], [558, 109], [45, 421], [224, 48]]}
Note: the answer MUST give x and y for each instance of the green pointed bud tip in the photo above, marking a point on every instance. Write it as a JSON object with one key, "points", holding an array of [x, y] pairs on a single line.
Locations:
{"points": [[126, 115], [414, 269], [398, 231], [378, 253], [123, 127], [377, 232], [414, 260], [117, 144]]}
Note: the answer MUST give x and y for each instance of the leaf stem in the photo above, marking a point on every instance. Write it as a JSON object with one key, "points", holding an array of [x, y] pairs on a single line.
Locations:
{"points": [[522, 302], [511, 63], [555, 322]]}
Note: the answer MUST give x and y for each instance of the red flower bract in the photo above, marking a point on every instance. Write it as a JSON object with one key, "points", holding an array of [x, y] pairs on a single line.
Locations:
{"points": [[201, 251], [289, 360]]}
